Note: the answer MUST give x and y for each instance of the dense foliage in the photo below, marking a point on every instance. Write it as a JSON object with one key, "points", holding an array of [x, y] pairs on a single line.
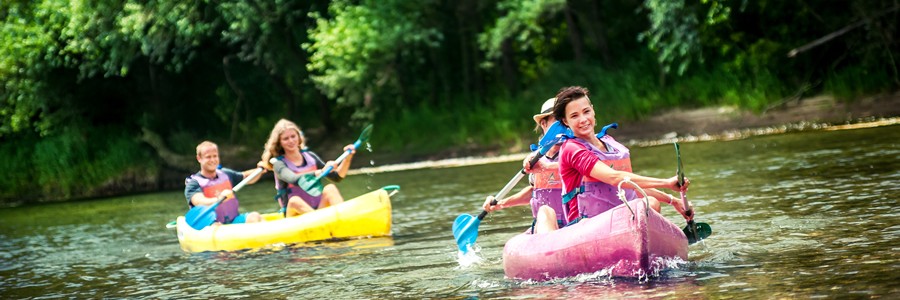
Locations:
{"points": [[82, 80]]}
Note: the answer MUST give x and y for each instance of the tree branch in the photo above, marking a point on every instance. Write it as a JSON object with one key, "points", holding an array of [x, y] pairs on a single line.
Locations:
{"points": [[838, 33]]}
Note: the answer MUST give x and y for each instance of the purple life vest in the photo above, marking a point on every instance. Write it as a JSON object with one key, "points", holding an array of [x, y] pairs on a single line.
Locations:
{"points": [[228, 209], [286, 190], [595, 197], [547, 191]]}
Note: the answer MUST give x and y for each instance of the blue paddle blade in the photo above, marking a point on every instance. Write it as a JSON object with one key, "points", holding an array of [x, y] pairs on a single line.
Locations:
{"points": [[607, 127], [556, 129], [200, 216], [465, 230]]}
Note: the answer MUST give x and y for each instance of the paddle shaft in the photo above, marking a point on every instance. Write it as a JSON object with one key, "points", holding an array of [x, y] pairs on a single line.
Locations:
{"points": [[515, 180], [343, 156], [509, 185], [197, 217], [240, 185], [688, 210]]}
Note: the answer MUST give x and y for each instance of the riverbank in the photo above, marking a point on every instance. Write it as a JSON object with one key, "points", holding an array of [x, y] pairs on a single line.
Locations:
{"points": [[708, 123], [683, 125]]}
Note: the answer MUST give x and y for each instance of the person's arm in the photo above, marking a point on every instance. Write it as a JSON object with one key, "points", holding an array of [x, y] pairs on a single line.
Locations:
{"points": [[345, 165], [546, 165], [544, 162], [666, 198], [191, 188], [254, 179], [586, 163], [284, 173], [613, 177], [194, 194], [334, 176], [523, 197]]}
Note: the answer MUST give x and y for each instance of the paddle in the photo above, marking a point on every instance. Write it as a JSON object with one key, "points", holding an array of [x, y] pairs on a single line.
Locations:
{"points": [[607, 127], [694, 231], [363, 137], [201, 215], [465, 227]]}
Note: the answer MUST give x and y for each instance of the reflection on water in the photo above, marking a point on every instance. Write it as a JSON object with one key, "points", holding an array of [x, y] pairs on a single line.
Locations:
{"points": [[796, 215]]}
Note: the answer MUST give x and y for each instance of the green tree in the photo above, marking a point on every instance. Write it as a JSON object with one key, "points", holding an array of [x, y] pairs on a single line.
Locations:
{"points": [[358, 49]]}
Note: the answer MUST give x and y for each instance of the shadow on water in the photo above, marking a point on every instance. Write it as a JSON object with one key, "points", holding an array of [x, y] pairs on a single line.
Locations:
{"points": [[797, 215]]}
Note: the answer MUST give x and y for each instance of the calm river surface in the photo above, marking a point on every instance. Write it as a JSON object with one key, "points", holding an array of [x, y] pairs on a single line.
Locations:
{"points": [[799, 215]]}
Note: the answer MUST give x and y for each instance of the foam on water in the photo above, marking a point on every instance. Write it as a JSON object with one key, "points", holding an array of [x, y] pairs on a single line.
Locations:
{"points": [[469, 258]]}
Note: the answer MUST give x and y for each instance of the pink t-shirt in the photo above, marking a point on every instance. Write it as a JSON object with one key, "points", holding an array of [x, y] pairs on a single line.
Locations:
{"points": [[575, 161], [575, 165]]}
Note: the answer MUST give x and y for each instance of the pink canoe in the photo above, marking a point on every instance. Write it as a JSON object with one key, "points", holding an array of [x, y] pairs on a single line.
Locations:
{"points": [[628, 244]]}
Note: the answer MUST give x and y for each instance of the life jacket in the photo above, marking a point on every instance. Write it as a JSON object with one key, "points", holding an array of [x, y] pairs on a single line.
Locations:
{"points": [[286, 190], [593, 196], [227, 209], [547, 190]]}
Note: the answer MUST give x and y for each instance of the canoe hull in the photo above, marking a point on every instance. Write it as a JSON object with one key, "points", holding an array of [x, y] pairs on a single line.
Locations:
{"points": [[368, 215], [627, 245]]}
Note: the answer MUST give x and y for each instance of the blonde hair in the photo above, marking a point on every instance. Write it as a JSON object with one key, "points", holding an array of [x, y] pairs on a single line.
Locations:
{"points": [[273, 146], [205, 144]]}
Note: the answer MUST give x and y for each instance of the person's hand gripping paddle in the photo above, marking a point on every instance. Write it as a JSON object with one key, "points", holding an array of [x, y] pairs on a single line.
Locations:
{"points": [[308, 183], [201, 215], [695, 232], [465, 227]]}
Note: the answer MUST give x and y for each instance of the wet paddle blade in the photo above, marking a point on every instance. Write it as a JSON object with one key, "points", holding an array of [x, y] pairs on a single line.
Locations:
{"points": [[200, 216], [364, 136], [703, 231], [465, 231]]}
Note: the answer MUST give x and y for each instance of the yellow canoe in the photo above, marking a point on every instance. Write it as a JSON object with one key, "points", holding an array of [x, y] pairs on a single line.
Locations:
{"points": [[368, 215]]}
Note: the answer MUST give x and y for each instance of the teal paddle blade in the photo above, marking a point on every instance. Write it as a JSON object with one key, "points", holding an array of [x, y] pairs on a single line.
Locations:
{"points": [[703, 231], [465, 230], [311, 184]]}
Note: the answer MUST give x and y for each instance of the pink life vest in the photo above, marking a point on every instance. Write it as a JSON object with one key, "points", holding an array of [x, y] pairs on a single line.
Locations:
{"points": [[594, 197], [286, 190], [547, 191], [228, 209]]}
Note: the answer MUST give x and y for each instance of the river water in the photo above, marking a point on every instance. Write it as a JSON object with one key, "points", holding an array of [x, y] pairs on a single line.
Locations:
{"points": [[799, 215]]}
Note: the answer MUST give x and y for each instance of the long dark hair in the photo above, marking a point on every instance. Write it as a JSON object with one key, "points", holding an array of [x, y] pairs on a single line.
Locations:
{"points": [[563, 97]]}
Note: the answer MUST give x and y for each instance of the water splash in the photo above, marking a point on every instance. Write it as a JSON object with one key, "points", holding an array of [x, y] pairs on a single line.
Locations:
{"points": [[470, 258]]}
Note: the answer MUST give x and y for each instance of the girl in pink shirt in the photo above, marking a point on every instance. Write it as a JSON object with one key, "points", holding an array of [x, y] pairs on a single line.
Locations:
{"points": [[591, 168]]}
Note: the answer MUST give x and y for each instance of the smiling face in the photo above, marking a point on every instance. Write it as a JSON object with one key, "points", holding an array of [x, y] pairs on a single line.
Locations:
{"points": [[208, 157], [580, 117], [290, 141]]}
